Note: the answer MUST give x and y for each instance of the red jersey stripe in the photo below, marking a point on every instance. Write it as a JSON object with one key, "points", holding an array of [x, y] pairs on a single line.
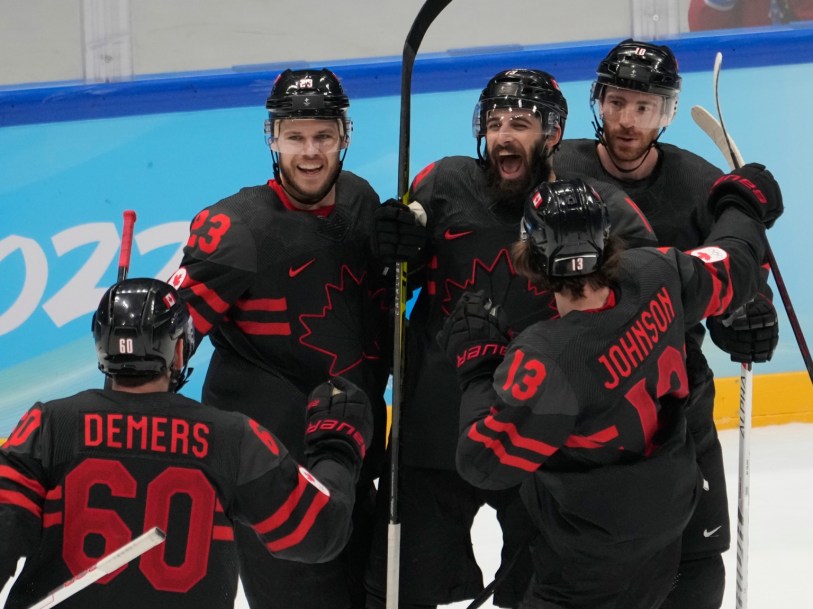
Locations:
{"points": [[210, 297], [51, 519], [298, 534], [279, 517], [9, 473], [596, 440], [263, 304], [18, 499], [201, 325], [258, 328], [499, 450], [222, 533], [517, 439]]}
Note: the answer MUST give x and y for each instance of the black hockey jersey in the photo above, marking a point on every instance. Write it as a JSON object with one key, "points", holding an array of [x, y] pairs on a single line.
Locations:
{"points": [[288, 298], [673, 197], [596, 399], [82, 476], [471, 239]]}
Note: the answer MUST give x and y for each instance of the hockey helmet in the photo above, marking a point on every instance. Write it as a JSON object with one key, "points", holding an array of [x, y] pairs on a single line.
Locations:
{"points": [[136, 327], [308, 94], [567, 224], [643, 67], [515, 89]]}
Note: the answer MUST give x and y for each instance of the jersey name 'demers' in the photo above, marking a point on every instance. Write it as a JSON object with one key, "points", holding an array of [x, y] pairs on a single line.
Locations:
{"points": [[634, 345], [158, 434]]}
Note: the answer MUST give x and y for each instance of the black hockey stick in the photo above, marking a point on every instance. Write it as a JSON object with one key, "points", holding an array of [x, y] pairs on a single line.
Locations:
{"points": [[124, 259], [726, 145], [498, 579], [429, 11]]}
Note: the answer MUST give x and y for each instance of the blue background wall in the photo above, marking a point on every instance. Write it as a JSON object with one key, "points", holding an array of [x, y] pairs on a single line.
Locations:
{"points": [[73, 157]]}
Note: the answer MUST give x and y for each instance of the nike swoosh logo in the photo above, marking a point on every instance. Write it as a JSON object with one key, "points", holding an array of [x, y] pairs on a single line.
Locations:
{"points": [[449, 235], [293, 272], [712, 532]]}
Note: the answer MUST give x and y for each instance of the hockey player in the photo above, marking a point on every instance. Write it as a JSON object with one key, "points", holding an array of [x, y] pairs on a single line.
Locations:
{"points": [[635, 95], [473, 207], [82, 476], [585, 411], [280, 277]]}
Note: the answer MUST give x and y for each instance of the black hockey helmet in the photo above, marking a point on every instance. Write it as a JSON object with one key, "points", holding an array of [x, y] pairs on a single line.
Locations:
{"points": [[533, 90], [640, 66], [308, 93], [567, 224], [137, 326]]}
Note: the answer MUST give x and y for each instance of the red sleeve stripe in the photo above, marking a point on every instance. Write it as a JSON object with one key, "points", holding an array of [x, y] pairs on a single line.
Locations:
{"points": [[9, 473], [422, 174], [499, 451], [210, 297], [258, 328], [298, 534], [222, 533], [201, 325], [596, 440], [51, 519], [719, 301], [281, 516], [55, 494], [517, 439], [18, 499], [274, 305], [640, 214]]}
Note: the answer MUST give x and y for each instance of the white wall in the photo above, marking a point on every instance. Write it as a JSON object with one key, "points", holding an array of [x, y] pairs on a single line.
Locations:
{"points": [[41, 40]]}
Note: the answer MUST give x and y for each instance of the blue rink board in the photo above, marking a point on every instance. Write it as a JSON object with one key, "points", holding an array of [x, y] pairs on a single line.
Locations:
{"points": [[66, 178]]}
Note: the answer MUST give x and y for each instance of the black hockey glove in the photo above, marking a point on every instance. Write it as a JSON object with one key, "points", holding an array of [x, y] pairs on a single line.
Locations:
{"points": [[474, 337], [750, 334], [398, 236], [752, 189], [340, 423]]}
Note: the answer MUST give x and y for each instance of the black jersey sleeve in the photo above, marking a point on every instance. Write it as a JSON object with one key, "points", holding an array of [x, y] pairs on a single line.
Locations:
{"points": [[299, 514], [626, 219], [218, 266], [724, 273], [23, 486], [512, 425]]}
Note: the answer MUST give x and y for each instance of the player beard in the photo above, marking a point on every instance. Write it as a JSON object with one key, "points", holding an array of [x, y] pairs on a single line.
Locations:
{"points": [[627, 146], [512, 193]]}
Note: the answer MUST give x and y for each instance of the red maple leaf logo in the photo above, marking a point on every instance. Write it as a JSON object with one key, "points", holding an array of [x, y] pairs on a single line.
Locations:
{"points": [[338, 330]]}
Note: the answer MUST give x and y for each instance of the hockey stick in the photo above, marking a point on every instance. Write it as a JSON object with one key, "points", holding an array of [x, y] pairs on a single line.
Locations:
{"points": [[126, 244], [490, 588], [429, 11], [124, 260], [106, 565], [717, 132]]}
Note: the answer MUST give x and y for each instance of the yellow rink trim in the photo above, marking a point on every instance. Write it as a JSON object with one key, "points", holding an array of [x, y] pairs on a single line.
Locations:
{"points": [[785, 397]]}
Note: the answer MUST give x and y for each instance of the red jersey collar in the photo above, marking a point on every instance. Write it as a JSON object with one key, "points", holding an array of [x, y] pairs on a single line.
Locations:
{"points": [[283, 196]]}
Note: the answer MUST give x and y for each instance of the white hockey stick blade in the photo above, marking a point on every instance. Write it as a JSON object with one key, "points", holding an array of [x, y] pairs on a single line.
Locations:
{"points": [[711, 126], [106, 565]]}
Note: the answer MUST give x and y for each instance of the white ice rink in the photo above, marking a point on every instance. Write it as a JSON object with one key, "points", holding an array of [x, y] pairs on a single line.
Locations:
{"points": [[781, 533]]}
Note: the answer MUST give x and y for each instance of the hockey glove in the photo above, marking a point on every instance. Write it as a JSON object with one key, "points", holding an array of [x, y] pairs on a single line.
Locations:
{"points": [[398, 233], [750, 334], [474, 337], [340, 423], [752, 189]]}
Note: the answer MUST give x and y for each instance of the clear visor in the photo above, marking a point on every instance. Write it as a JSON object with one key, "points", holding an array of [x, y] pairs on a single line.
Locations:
{"points": [[307, 135], [636, 109], [492, 118]]}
